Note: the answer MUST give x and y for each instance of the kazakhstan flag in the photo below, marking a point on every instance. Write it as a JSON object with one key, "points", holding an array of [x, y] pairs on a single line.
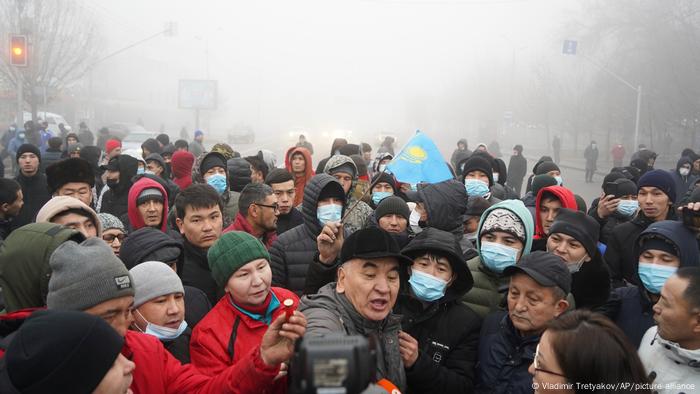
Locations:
{"points": [[420, 161]]}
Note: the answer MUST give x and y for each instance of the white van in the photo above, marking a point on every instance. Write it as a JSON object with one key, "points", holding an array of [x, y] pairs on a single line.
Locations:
{"points": [[53, 119]]}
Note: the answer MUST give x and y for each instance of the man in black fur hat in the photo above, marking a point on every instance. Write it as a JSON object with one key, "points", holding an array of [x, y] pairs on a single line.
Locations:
{"points": [[72, 177]]}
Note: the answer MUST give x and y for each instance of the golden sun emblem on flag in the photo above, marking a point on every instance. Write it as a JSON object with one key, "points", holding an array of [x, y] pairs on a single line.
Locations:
{"points": [[415, 154]]}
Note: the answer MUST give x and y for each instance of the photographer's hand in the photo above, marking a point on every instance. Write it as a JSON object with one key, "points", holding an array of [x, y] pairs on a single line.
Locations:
{"points": [[408, 346], [277, 343]]}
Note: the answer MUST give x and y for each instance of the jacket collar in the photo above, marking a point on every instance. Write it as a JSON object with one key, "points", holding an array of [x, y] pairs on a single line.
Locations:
{"points": [[676, 353]]}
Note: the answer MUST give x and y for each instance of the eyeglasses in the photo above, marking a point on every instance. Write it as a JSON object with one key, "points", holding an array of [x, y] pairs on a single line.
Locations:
{"points": [[109, 238], [274, 206], [537, 364]]}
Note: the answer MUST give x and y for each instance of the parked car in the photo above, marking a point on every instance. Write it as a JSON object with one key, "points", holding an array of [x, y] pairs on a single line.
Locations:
{"points": [[121, 130], [134, 139], [53, 119]]}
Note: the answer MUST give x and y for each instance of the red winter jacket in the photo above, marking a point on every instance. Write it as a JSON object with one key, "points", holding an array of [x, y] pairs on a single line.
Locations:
{"points": [[158, 372], [242, 224], [567, 201], [134, 215], [209, 346], [181, 165], [299, 182]]}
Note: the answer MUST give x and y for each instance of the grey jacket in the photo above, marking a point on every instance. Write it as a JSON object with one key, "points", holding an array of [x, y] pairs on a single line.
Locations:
{"points": [[330, 312]]}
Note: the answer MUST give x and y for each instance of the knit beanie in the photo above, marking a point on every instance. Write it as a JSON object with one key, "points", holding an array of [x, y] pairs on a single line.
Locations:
{"points": [[345, 167], [546, 166], [198, 133], [541, 181], [153, 279], [59, 352], [149, 194], [212, 160], [232, 251], [386, 178], [392, 205], [501, 219], [157, 158], [27, 148], [59, 204], [111, 145], [480, 164], [110, 221], [661, 180], [578, 225], [332, 189], [85, 275], [622, 187], [75, 148]]}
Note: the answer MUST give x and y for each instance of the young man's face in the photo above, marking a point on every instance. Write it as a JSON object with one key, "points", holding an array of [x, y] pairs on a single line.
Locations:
{"points": [[476, 174], [154, 167], [549, 209], [678, 321], [383, 187], [567, 247], [371, 285], [436, 266], [167, 311], [112, 175], [76, 221], [256, 176], [505, 239], [250, 284], [151, 212], [298, 163], [12, 210], [653, 202], [393, 223], [115, 152], [80, 190], [116, 312], [345, 180], [28, 164], [201, 226], [285, 193]]}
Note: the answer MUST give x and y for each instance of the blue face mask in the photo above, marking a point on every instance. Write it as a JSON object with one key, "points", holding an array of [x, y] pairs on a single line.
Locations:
{"points": [[329, 213], [379, 196], [163, 333], [140, 171], [654, 276], [627, 207], [476, 187], [497, 257], [559, 180], [218, 182], [427, 287]]}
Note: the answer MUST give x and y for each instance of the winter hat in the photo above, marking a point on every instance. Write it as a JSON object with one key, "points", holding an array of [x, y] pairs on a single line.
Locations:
{"points": [[392, 205], [149, 194], [73, 169], [110, 221], [546, 167], [27, 148], [578, 225], [163, 139], [478, 163], [541, 181], [349, 150], [347, 167], [476, 206], [501, 219], [661, 180], [580, 203], [157, 158], [111, 145], [518, 148], [657, 243], [386, 178], [610, 179], [151, 145], [225, 150], [85, 275], [198, 133], [149, 244], [332, 189], [75, 148], [372, 243], [624, 187], [232, 251], [182, 163], [211, 160], [59, 352], [60, 204], [153, 279], [547, 269]]}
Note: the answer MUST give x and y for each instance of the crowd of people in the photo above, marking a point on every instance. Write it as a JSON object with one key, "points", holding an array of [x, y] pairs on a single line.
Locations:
{"points": [[189, 269]]}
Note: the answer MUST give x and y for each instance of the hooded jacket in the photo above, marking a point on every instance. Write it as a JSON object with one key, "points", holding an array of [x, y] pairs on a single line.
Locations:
{"points": [[590, 286], [135, 218], [329, 312], [447, 349], [485, 297], [181, 165], [460, 154], [36, 194], [669, 363], [229, 198], [24, 263], [227, 336], [683, 183], [357, 218], [294, 250], [299, 181], [116, 201], [446, 205], [635, 314], [61, 204], [565, 196], [238, 173]]}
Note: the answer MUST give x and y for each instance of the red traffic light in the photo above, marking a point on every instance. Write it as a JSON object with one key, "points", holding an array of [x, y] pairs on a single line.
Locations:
{"points": [[18, 50]]}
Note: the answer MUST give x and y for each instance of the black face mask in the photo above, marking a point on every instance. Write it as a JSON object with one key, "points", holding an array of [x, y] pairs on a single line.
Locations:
{"points": [[112, 183]]}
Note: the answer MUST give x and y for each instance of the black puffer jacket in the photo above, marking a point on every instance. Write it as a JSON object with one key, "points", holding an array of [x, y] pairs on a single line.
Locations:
{"points": [[238, 173], [590, 286], [294, 250], [196, 272], [116, 201], [447, 331], [36, 194]]}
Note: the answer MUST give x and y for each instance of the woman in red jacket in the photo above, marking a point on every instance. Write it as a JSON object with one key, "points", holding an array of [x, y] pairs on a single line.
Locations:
{"points": [[234, 328]]}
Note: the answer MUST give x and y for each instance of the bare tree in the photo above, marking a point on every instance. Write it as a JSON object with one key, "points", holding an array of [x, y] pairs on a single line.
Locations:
{"points": [[63, 44]]}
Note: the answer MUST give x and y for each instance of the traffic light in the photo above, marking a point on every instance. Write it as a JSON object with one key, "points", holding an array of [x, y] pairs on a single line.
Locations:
{"points": [[18, 50]]}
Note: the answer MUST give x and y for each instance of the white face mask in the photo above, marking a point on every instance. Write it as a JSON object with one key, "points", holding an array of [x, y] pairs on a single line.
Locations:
{"points": [[414, 218], [495, 177], [684, 171]]}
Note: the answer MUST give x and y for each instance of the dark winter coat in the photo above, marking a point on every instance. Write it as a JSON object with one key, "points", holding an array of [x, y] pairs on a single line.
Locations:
{"points": [[294, 250], [591, 156], [608, 224], [36, 193], [196, 272], [238, 173], [517, 168], [49, 157], [289, 221], [683, 183], [504, 357], [590, 286], [116, 201], [180, 346]]}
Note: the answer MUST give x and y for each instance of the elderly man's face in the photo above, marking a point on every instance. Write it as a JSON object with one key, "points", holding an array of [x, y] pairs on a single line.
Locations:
{"points": [[531, 306], [371, 285]]}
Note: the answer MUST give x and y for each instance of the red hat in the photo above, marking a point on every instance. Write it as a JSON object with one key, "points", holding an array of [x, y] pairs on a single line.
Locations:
{"points": [[110, 145]]}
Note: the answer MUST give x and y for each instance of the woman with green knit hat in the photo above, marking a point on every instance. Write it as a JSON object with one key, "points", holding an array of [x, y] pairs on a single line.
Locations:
{"points": [[238, 330]]}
